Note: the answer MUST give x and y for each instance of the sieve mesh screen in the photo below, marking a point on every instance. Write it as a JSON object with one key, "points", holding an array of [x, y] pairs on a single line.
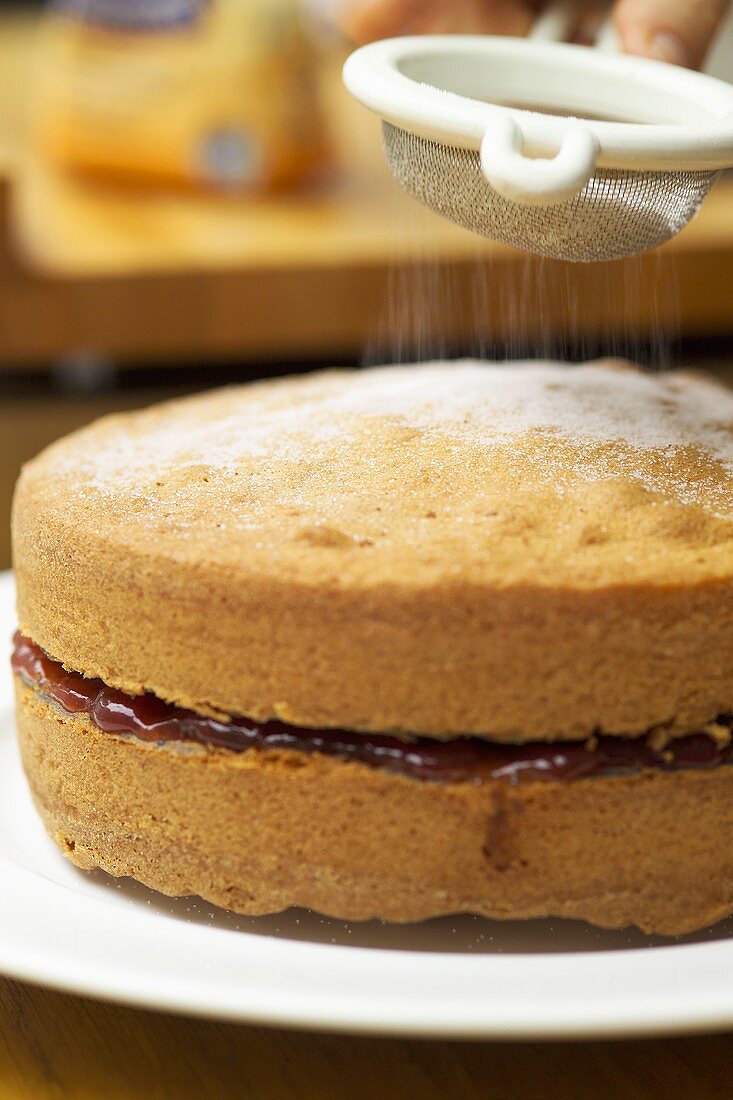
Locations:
{"points": [[618, 213]]}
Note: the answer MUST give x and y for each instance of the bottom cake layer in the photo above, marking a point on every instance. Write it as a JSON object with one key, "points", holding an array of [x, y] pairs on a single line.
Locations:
{"points": [[260, 832]]}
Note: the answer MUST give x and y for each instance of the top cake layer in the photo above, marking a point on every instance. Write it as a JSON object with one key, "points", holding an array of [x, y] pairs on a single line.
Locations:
{"points": [[520, 551]]}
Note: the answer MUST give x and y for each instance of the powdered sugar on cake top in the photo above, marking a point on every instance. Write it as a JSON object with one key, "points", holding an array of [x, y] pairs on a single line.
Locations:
{"points": [[477, 404], [484, 404]]}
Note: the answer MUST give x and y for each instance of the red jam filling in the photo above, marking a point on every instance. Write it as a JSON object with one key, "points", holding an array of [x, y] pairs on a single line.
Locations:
{"points": [[469, 759]]}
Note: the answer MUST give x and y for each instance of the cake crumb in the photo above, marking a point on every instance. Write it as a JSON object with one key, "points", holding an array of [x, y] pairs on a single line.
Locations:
{"points": [[720, 734], [658, 739]]}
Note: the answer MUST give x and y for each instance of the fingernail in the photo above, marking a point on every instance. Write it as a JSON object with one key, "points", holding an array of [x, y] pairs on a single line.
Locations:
{"points": [[667, 46]]}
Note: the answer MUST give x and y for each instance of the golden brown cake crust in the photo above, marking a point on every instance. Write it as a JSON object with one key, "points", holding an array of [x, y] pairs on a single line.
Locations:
{"points": [[258, 832], [521, 552]]}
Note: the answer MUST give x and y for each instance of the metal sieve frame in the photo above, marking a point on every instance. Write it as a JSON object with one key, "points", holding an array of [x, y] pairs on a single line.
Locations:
{"points": [[445, 89]]}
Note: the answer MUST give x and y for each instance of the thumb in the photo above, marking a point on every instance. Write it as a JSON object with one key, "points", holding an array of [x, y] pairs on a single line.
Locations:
{"points": [[679, 31], [365, 20]]}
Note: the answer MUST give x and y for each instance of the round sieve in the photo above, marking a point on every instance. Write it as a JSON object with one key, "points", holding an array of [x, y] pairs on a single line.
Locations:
{"points": [[567, 151]]}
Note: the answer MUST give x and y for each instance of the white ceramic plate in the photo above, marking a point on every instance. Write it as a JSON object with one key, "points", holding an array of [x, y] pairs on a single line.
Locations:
{"points": [[88, 933]]}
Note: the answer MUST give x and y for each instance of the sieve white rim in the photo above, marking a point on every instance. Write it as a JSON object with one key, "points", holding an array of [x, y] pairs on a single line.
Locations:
{"points": [[548, 75]]}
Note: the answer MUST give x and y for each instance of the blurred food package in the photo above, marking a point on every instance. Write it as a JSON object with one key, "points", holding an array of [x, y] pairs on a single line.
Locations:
{"points": [[195, 94]]}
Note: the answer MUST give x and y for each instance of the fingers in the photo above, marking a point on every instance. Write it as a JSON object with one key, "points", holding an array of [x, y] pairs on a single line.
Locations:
{"points": [[475, 17], [367, 20], [679, 31]]}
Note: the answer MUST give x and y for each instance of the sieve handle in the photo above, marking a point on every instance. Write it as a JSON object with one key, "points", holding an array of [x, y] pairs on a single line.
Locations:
{"points": [[555, 23], [607, 39], [558, 21], [539, 181]]}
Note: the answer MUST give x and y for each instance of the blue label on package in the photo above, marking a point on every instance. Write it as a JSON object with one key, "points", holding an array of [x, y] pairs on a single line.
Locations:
{"points": [[144, 15]]}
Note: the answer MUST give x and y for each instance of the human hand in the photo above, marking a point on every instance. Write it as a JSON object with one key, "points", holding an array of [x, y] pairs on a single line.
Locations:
{"points": [[678, 31]]}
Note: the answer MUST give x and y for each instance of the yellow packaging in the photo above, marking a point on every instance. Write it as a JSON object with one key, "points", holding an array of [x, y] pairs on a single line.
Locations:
{"points": [[188, 92]]}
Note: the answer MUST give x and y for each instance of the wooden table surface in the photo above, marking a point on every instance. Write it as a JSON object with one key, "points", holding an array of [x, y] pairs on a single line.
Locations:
{"points": [[58, 1047]]}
